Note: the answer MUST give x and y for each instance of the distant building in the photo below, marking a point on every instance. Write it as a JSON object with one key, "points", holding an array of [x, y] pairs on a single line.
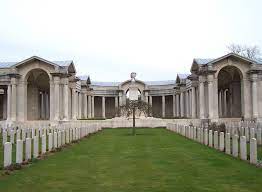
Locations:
{"points": [[37, 89]]}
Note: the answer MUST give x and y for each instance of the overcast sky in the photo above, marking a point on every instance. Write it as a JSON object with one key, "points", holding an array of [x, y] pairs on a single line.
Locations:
{"points": [[109, 39]]}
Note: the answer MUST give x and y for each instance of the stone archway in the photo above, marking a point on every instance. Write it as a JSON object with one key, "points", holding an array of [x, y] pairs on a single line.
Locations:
{"points": [[38, 95], [229, 92]]}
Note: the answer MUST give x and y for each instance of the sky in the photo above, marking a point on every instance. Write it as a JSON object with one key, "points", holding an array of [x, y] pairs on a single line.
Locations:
{"points": [[110, 39]]}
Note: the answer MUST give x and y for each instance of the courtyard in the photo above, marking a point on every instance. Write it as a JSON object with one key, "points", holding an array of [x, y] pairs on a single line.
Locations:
{"points": [[153, 160]]}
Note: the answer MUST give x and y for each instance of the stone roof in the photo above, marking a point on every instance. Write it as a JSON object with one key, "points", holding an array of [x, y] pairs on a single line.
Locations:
{"points": [[183, 76], [60, 63], [200, 61]]}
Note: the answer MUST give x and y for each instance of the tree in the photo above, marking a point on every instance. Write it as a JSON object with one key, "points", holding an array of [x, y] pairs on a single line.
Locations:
{"points": [[251, 52], [135, 108]]}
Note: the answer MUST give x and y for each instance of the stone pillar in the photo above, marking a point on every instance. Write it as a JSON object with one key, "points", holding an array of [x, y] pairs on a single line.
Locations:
{"points": [[80, 105], [89, 106], [85, 105], [42, 110], [150, 101], [186, 104], [120, 99], [225, 103], [254, 95], [93, 106], [5, 105], [146, 97], [9, 98], [210, 97], [163, 106], [193, 108], [174, 105], [182, 114], [52, 101], [177, 106], [201, 100], [57, 97], [47, 106], [65, 96], [103, 107], [74, 95], [116, 105], [13, 110]]}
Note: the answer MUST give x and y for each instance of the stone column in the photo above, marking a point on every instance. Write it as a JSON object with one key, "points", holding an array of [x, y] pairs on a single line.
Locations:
{"points": [[46, 106], [66, 106], [182, 114], [74, 103], [52, 101], [186, 104], [80, 105], [150, 101], [57, 97], [193, 108], [42, 112], [103, 107], [225, 103], [9, 98], [93, 106], [5, 105], [201, 100], [146, 97], [254, 95], [215, 98], [210, 96], [174, 105], [163, 106], [220, 103], [89, 106], [13, 110], [177, 106], [120, 99], [85, 105], [116, 106]]}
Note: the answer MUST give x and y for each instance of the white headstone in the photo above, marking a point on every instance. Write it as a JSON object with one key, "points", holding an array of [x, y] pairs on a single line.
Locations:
{"points": [[36, 146], [221, 141], [28, 150], [243, 148], [55, 140], [43, 151], [235, 146], [50, 141], [4, 137], [228, 144], [210, 138], [253, 151], [7, 154], [19, 151], [206, 136], [216, 140]]}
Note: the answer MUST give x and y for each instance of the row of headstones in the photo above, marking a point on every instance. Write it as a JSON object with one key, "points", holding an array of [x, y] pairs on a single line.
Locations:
{"points": [[219, 140], [50, 140]]}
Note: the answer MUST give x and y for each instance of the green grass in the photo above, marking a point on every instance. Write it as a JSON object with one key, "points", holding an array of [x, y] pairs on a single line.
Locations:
{"points": [[153, 160]]}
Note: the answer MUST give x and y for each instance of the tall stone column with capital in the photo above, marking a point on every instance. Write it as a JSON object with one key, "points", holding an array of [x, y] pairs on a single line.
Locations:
{"points": [[116, 105], [174, 105], [74, 101], [52, 101], [89, 106], [210, 96], [85, 105], [42, 110], [9, 99], [46, 106], [57, 97], [177, 105], [193, 107], [182, 104], [201, 100], [163, 106], [186, 104], [66, 106], [13, 110], [93, 106], [5, 104], [254, 95], [103, 107], [79, 105]]}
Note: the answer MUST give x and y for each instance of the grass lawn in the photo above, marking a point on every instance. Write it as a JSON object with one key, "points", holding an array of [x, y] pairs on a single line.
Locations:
{"points": [[153, 160]]}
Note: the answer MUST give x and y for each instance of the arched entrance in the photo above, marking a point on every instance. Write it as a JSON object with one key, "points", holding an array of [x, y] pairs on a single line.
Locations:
{"points": [[38, 89], [229, 92]]}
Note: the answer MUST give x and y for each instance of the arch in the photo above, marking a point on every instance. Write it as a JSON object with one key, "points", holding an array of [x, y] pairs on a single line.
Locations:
{"points": [[230, 91], [27, 72], [38, 94]]}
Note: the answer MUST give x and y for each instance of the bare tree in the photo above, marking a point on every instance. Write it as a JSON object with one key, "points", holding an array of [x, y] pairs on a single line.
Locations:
{"points": [[251, 52]]}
